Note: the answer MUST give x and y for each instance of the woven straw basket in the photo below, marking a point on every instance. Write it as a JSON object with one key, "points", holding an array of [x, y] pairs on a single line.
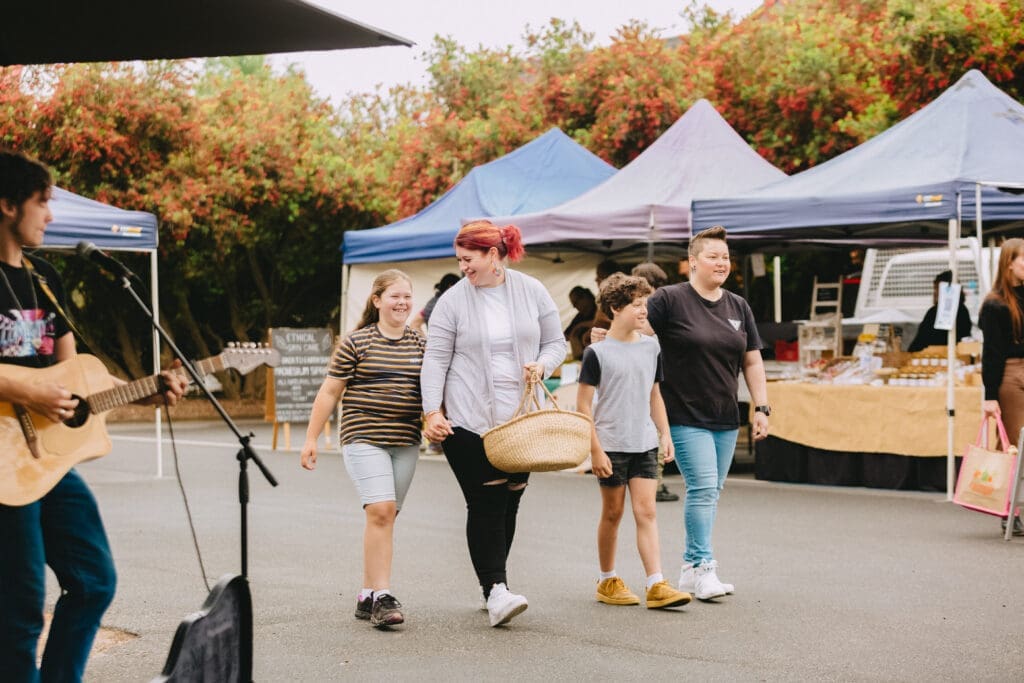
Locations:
{"points": [[541, 440]]}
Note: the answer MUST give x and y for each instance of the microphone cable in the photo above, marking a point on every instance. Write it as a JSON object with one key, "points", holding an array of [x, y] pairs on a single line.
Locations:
{"points": [[184, 496]]}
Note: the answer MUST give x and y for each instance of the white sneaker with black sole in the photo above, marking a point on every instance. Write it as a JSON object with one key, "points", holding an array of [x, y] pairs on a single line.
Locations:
{"points": [[503, 605], [702, 581]]}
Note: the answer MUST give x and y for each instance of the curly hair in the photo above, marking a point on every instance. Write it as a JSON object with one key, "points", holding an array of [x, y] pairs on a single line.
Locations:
{"points": [[619, 291]]}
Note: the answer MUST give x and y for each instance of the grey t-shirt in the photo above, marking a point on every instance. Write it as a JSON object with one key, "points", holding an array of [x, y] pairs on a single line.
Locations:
{"points": [[624, 374]]}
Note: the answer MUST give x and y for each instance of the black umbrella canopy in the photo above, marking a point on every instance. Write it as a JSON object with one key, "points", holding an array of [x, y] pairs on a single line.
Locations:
{"points": [[53, 31]]}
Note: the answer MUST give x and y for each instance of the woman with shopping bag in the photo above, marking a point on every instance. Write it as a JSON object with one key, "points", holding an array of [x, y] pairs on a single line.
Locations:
{"points": [[1002, 361]]}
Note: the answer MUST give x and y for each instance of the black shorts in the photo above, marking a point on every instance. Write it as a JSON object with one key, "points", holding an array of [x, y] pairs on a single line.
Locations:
{"points": [[626, 466]]}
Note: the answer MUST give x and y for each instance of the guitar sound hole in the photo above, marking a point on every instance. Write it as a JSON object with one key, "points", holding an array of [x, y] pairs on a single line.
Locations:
{"points": [[82, 412]]}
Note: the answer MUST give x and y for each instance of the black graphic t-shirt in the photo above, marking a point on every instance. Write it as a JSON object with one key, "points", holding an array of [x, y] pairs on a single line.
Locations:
{"points": [[702, 347], [30, 324]]}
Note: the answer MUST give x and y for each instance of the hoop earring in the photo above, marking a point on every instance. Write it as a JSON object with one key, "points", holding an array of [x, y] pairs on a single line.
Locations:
{"points": [[496, 270]]}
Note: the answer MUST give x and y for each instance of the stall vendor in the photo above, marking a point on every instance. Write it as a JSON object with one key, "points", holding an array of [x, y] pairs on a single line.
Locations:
{"points": [[927, 335]]}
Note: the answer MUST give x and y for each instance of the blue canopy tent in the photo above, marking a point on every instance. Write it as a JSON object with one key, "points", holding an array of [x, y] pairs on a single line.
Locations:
{"points": [[903, 183], [542, 173], [77, 219], [959, 154]]}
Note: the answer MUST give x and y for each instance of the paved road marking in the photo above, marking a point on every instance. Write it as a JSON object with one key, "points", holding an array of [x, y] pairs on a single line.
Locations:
{"points": [[183, 442]]}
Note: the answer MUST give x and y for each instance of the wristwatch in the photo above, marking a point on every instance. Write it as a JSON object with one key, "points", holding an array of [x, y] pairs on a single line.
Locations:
{"points": [[766, 409]]}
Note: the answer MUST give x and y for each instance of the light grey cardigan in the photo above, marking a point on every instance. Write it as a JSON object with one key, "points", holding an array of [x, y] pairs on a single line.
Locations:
{"points": [[457, 361]]}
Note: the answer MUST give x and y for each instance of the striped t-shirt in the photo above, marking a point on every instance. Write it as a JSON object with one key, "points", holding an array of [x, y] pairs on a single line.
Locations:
{"points": [[381, 404]]}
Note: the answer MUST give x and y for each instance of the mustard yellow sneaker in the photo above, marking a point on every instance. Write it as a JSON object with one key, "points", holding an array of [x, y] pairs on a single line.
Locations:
{"points": [[613, 591], [663, 595]]}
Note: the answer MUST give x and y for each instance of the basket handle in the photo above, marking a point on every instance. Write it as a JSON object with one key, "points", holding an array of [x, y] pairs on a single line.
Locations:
{"points": [[529, 392]]}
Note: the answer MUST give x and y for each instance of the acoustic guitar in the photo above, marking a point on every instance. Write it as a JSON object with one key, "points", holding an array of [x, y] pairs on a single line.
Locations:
{"points": [[36, 452]]}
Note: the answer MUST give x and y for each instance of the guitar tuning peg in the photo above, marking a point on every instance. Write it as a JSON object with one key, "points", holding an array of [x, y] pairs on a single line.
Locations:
{"points": [[231, 345]]}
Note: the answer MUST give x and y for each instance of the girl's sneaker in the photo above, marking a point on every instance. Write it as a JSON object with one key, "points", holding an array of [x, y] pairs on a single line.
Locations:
{"points": [[386, 611]]}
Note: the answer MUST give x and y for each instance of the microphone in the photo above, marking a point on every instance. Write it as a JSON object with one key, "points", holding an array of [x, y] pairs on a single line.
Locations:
{"points": [[90, 251]]}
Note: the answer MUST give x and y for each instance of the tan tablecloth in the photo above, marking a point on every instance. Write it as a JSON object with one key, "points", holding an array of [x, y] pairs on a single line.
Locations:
{"points": [[866, 419]]}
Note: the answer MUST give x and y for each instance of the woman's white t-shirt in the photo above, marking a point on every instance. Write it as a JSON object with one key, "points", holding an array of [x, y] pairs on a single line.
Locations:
{"points": [[505, 371]]}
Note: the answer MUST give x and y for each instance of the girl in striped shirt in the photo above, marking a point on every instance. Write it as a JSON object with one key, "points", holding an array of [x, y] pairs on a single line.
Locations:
{"points": [[375, 373]]}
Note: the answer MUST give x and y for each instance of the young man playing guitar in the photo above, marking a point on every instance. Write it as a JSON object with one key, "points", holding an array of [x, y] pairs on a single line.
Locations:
{"points": [[63, 528]]}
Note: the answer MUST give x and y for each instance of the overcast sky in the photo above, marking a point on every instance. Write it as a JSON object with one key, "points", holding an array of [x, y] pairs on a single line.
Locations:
{"points": [[488, 22]]}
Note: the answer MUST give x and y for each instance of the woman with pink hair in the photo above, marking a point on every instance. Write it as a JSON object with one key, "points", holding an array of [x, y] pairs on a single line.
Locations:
{"points": [[489, 334]]}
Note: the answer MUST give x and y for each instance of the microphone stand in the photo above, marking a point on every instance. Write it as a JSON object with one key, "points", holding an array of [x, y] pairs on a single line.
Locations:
{"points": [[245, 453]]}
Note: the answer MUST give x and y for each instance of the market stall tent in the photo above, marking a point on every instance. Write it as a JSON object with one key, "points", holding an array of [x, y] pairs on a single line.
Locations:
{"points": [[77, 219], [959, 155], [903, 182], [648, 200], [544, 172]]}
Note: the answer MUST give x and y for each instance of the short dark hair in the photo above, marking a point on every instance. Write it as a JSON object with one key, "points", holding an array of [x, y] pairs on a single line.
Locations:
{"points": [[715, 232], [607, 267], [21, 177], [619, 291], [944, 276], [652, 272], [580, 292], [447, 281]]}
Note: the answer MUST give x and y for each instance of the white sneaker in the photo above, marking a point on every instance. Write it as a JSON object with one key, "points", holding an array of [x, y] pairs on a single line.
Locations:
{"points": [[702, 581], [502, 605]]}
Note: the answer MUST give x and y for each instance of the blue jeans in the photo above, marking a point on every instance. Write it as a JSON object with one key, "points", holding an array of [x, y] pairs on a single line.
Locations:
{"points": [[703, 457], [62, 529]]}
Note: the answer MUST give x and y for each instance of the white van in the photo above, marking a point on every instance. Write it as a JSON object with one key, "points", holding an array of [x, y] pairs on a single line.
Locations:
{"points": [[896, 284]]}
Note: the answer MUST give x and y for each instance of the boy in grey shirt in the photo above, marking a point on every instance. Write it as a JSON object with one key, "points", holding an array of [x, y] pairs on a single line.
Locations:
{"points": [[629, 415]]}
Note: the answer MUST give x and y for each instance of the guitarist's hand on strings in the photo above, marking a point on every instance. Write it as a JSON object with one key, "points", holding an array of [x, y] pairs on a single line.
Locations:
{"points": [[51, 400]]}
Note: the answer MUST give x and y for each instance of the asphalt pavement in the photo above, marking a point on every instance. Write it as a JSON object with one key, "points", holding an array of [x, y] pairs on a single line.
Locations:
{"points": [[844, 584]]}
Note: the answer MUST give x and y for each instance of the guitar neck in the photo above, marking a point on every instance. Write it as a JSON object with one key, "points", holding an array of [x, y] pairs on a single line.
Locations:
{"points": [[130, 392]]}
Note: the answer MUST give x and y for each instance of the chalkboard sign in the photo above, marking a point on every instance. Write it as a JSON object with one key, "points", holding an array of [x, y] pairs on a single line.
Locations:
{"points": [[305, 354]]}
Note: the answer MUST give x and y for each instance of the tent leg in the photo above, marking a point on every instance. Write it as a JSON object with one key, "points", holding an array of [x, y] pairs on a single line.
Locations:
{"points": [[777, 286], [954, 239], [346, 278]]}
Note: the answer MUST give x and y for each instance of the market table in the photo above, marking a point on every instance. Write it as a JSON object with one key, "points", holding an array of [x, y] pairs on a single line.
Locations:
{"points": [[862, 435]]}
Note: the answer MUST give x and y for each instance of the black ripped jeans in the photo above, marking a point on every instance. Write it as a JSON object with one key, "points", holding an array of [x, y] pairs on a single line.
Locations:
{"points": [[490, 509]]}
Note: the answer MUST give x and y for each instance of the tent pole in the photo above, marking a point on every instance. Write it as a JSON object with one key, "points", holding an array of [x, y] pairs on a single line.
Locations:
{"points": [[650, 238], [983, 287], [346, 279], [777, 286], [954, 238], [157, 412]]}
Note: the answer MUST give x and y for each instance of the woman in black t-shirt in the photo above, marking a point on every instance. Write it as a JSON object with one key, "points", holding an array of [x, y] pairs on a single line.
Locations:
{"points": [[1002, 358], [707, 337]]}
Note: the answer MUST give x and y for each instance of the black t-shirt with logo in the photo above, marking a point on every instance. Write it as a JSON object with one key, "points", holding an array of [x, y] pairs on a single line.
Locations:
{"points": [[30, 325], [702, 347]]}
